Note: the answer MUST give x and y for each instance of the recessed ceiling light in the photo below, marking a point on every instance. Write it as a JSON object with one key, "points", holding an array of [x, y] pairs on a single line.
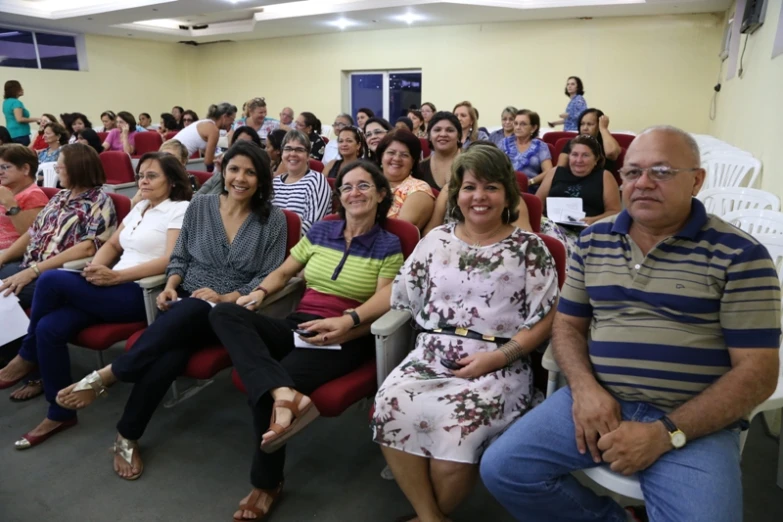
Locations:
{"points": [[409, 18], [343, 23]]}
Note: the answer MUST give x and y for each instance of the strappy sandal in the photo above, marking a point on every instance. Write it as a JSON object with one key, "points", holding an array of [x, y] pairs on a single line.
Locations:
{"points": [[91, 382], [301, 418], [125, 448], [37, 383], [252, 502]]}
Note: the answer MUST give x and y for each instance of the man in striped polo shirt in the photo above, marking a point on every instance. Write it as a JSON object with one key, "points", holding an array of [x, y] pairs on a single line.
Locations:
{"points": [[667, 330]]}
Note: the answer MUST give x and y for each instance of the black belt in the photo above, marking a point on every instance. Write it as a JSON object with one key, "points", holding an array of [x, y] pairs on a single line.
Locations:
{"points": [[470, 334]]}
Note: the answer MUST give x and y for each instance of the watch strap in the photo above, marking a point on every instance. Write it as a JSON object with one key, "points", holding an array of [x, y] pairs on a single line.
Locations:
{"points": [[355, 317], [670, 426]]}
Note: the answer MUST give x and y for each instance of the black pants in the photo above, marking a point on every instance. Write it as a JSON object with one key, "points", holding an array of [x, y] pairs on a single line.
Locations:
{"points": [[159, 356], [22, 140], [262, 350]]}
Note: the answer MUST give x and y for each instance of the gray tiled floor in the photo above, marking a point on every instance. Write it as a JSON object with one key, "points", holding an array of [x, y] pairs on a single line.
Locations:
{"points": [[197, 459]]}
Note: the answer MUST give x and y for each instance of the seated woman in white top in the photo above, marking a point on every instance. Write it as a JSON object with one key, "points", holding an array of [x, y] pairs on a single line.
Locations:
{"points": [[204, 134], [301, 190], [66, 302]]}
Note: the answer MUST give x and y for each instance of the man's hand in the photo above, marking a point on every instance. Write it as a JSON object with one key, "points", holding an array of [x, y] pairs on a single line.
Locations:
{"points": [[596, 413], [634, 446]]}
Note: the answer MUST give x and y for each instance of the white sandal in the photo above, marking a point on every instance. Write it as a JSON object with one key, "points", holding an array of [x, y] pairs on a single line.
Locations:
{"points": [[91, 382], [125, 448]]}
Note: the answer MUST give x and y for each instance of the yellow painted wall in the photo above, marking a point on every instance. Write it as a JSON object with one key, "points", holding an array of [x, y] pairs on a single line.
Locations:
{"points": [[750, 109], [124, 74], [640, 71]]}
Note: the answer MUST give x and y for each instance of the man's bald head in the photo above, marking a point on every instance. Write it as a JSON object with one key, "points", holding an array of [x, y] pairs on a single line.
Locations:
{"points": [[688, 143]]}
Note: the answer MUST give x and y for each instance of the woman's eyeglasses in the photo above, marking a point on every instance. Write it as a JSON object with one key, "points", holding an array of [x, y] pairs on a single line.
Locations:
{"points": [[376, 132], [363, 188], [298, 150]]}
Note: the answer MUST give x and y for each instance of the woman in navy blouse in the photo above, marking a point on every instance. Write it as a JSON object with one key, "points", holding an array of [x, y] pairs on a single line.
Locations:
{"points": [[577, 104]]}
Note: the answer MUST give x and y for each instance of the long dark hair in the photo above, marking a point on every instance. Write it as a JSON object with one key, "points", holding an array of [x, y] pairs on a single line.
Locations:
{"points": [[261, 203], [175, 173], [250, 131], [598, 113], [312, 122], [92, 138], [405, 137], [358, 135], [378, 179]]}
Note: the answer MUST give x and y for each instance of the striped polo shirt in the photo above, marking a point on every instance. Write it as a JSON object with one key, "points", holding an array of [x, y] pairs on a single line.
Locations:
{"points": [[310, 197], [662, 323], [338, 279]]}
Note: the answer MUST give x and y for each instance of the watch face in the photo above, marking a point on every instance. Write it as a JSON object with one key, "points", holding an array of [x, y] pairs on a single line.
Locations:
{"points": [[678, 439]]}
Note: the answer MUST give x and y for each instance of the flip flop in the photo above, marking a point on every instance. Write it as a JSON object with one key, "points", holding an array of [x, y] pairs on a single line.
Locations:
{"points": [[125, 448], [33, 383]]}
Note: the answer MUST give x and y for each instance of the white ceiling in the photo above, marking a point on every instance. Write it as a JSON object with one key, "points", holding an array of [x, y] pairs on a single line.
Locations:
{"points": [[254, 19]]}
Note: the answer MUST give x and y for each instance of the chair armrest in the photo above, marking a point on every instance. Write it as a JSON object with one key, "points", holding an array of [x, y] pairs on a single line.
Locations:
{"points": [[148, 283], [114, 187], [548, 361], [555, 379], [79, 264], [284, 301], [393, 338], [151, 286]]}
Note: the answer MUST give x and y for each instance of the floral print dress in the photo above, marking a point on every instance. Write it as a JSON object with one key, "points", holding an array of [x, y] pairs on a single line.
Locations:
{"points": [[421, 407]]}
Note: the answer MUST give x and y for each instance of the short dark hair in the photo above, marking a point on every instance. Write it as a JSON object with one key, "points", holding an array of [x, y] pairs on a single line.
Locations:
{"points": [[312, 122], [591, 143], [405, 137], [72, 117], [358, 135], [130, 119], [261, 202], [250, 131], [190, 113], [378, 179], [60, 131], [12, 88], [275, 138], [19, 156], [369, 112], [169, 121], [534, 118], [405, 120], [92, 138], [181, 110], [5, 136], [147, 114], [580, 88], [598, 113], [490, 164], [448, 116], [83, 165], [175, 173]]}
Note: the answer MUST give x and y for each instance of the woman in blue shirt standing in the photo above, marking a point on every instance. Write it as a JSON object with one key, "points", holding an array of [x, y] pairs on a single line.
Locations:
{"points": [[574, 90], [17, 117]]}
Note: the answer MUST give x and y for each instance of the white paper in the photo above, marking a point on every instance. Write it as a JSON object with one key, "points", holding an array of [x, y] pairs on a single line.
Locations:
{"points": [[301, 343], [566, 211], [13, 321]]}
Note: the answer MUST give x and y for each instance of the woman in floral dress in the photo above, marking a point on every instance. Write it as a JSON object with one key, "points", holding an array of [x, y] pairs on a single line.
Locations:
{"points": [[479, 276]]}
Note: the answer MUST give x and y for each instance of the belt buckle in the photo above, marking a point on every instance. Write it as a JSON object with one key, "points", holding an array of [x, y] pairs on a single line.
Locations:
{"points": [[437, 330], [490, 338], [462, 332]]}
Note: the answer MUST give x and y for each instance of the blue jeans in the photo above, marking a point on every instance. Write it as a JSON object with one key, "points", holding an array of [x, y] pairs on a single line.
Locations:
{"points": [[528, 471], [64, 304]]}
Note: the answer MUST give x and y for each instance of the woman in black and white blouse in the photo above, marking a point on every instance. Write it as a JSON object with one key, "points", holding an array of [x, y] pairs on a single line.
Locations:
{"points": [[228, 244]]}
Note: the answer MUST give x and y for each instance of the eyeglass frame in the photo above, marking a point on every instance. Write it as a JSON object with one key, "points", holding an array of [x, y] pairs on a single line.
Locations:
{"points": [[347, 189], [656, 169]]}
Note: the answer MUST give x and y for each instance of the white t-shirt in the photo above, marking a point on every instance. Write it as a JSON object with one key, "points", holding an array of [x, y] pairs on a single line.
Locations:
{"points": [[190, 137], [144, 236]]}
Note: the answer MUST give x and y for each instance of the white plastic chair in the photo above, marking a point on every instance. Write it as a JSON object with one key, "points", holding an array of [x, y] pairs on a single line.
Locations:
{"points": [[49, 174], [730, 170], [756, 222], [722, 200]]}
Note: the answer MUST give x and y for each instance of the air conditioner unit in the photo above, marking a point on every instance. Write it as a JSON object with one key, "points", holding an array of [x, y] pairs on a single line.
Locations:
{"points": [[755, 10]]}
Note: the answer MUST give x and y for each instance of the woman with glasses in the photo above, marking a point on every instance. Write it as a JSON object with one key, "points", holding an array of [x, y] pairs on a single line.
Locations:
{"points": [[189, 117], [575, 91], [593, 122], [445, 134], [374, 131], [20, 197], [301, 190], [507, 126], [227, 245], [412, 199], [584, 177], [346, 262], [308, 124], [527, 153], [105, 291], [350, 145]]}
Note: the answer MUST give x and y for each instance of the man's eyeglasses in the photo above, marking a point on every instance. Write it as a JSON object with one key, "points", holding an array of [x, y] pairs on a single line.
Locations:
{"points": [[363, 188], [298, 150], [376, 132], [654, 173]]}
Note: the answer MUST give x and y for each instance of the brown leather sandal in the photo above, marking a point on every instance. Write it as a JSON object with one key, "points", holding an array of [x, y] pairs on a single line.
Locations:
{"points": [[252, 502], [301, 418]]}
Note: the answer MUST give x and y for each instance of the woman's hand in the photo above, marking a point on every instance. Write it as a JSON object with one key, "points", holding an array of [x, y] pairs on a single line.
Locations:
{"points": [[480, 363], [551, 125], [7, 198], [330, 331], [100, 275], [256, 298], [603, 122], [589, 220], [136, 198], [207, 294], [166, 298], [15, 283]]}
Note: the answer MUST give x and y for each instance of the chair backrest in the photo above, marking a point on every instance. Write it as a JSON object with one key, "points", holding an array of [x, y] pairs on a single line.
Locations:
{"points": [[201, 175], [50, 191], [326, 140], [774, 245], [435, 192], [425, 148], [118, 167], [756, 221], [294, 227], [558, 251], [122, 205], [170, 135], [407, 232], [535, 207], [149, 141], [522, 182], [553, 137], [722, 200], [335, 196], [623, 140], [315, 165], [49, 174], [102, 136], [552, 153], [559, 146], [731, 170]]}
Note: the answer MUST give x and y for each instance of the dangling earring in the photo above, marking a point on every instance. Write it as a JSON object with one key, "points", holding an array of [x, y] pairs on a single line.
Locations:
{"points": [[507, 219]]}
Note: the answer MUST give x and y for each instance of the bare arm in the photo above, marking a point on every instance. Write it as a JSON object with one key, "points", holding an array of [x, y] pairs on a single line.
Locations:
{"points": [[562, 160], [77, 251], [18, 116], [546, 165], [417, 209], [212, 138], [612, 149], [438, 213], [523, 221], [569, 345], [126, 145], [17, 250], [328, 168], [272, 283], [112, 250], [546, 185]]}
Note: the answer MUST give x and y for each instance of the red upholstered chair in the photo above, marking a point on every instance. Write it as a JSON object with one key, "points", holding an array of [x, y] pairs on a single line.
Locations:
{"points": [[624, 140], [315, 165], [558, 251], [522, 181], [559, 146], [552, 137], [534, 210], [201, 176], [195, 155], [541, 375], [326, 141], [336, 396], [118, 167], [149, 141], [335, 195], [170, 135], [425, 148], [50, 191], [102, 136], [552, 153], [618, 164]]}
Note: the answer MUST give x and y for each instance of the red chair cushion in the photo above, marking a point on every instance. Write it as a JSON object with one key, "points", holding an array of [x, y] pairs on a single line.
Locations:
{"points": [[534, 210], [316, 165], [207, 362], [101, 336], [553, 136]]}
